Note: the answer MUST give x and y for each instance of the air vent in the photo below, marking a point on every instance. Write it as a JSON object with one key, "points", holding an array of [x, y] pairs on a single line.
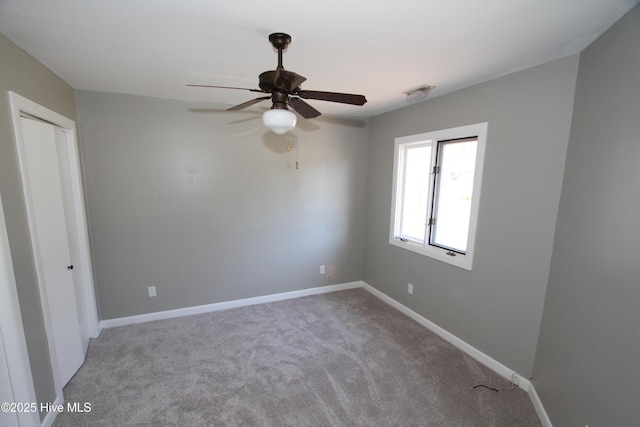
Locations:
{"points": [[419, 93]]}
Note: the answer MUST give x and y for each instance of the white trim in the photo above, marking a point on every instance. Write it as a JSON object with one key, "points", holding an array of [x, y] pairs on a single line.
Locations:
{"points": [[51, 416], [188, 311], [537, 404], [88, 298], [12, 332], [481, 357], [464, 261], [470, 350]]}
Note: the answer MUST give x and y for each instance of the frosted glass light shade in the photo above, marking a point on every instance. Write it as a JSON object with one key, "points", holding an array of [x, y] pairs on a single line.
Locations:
{"points": [[279, 120]]}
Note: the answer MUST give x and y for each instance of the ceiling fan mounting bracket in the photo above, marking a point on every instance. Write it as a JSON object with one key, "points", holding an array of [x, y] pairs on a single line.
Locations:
{"points": [[280, 40]]}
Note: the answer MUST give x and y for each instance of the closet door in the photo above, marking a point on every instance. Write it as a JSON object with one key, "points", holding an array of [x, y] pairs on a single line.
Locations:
{"points": [[51, 242]]}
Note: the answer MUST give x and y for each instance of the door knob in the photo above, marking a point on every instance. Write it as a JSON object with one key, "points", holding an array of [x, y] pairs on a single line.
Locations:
{"points": [[69, 267]]}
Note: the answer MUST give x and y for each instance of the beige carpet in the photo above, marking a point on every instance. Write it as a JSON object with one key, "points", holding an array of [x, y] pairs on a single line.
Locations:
{"points": [[338, 359]]}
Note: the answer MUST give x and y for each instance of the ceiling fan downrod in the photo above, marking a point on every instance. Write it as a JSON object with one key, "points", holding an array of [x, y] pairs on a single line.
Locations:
{"points": [[280, 41]]}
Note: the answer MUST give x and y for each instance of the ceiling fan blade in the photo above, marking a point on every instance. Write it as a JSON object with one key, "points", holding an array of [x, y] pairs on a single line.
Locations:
{"points": [[304, 109], [229, 87], [344, 98], [287, 80], [248, 103]]}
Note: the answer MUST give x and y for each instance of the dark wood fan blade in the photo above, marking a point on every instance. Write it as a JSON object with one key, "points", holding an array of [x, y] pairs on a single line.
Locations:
{"points": [[304, 109], [229, 87], [287, 80], [248, 103], [344, 98]]}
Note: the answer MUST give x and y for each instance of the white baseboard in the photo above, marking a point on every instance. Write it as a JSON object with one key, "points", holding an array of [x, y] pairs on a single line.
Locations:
{"points": [[470, 350], [537, 404], [481, 357], [188, 311], [50, 418]]}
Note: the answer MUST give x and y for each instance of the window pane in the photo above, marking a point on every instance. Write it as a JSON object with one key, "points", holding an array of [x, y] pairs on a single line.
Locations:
{"points": [[453, 204], [415, 195]]}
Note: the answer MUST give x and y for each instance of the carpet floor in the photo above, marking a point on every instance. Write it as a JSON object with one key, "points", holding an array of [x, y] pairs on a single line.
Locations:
{"points": [[338, 359]]}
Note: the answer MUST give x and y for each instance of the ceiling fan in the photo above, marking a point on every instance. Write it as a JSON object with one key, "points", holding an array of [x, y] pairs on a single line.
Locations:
{"points": [[284, 89]]}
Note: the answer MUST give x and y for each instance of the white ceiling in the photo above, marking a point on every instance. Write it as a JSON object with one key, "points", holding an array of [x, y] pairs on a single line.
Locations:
{"points": [[375, 48]]}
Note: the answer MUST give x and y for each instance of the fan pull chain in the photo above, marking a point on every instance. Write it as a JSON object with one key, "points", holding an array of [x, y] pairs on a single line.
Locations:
{"points": [[296, 147]]}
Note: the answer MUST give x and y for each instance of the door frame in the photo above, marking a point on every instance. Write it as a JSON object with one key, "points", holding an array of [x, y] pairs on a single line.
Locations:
{"points": [[78, 237], [12, 332]]}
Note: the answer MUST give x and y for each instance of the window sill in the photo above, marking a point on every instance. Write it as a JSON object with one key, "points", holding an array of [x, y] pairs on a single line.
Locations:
{"points": [[459, 260]]}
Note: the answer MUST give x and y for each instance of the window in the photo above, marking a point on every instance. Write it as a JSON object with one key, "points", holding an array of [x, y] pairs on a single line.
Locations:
{"points": [[436, 193]]}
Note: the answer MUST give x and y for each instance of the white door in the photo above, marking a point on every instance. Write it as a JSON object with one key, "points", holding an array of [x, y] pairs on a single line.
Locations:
{"points": [[52, 246]]}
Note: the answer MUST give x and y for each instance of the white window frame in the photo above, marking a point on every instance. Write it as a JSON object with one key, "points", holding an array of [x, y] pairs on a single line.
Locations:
{"points": [[462, 260]]}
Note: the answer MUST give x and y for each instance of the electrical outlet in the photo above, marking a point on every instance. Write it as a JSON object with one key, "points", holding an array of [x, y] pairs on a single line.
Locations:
{"points": [[322, 269], [410, 288], [515, 379], [152, 291]]}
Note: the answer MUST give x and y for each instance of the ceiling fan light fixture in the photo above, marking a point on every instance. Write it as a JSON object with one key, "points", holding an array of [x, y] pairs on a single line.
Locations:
{"points": [[279, 120]]}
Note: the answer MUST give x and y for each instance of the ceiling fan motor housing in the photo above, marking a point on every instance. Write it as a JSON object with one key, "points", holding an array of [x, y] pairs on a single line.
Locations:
{"points": [[279, 99], [266, 80]]}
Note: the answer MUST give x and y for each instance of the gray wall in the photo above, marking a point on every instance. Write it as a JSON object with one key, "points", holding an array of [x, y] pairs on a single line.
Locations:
{"points": [[586, 367], [497, 307], [208, 206], [20, 73]]}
